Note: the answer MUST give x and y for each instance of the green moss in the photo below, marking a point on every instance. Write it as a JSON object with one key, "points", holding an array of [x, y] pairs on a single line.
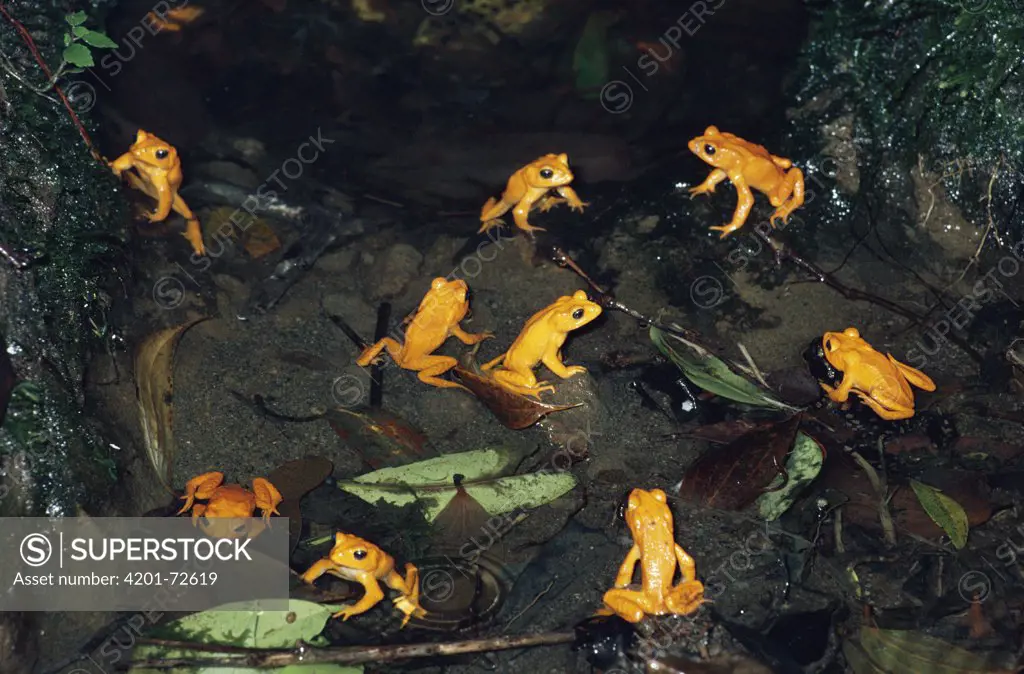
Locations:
{"points": [[60, 205], [938, 79]]}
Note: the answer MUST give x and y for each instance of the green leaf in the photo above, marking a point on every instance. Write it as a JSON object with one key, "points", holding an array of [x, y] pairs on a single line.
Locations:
{"points": [[67, 39], [78, 55], [911, 652], [244, 624], [802, 465], [944, 511], [76, 18], [712, 373], [480, 463], [430, 483], [96, 39]]}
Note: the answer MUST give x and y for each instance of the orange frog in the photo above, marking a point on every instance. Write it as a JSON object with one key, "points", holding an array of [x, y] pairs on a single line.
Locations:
{"points": [[881, 382], [541, 341], [748, 165], [358, 560], [529, 186], [656, 550], [438, 317], [228, 501], [158, 174]]}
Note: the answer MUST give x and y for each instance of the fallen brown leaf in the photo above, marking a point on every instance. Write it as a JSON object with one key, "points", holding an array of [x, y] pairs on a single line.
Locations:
{"points": [[734, 476], [294, 480], [381, 438], [154, 391], [511, 409]]}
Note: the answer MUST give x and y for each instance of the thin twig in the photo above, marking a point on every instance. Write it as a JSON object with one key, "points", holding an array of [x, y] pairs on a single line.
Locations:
{"points": [[888, 530], [754, 371], [267, 658], [530, 605]]}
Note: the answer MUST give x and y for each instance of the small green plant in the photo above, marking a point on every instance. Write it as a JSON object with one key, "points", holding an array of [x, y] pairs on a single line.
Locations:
{"points": [[77, 54]]}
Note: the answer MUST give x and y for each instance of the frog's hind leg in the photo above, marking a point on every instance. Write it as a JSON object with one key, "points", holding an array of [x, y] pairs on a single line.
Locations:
{"points": [[371, 353], [435, 366], [887, 414], [490, 214], [789, 196], [523, 384], [685, 598], [913, 375], [630, 605]]}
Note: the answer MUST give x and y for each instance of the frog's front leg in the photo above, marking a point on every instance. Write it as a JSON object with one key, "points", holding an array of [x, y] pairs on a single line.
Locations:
{"points": [[319, 568], [744, 202], [122, 164], [573, 198], [708, 186], [841, 393], [789, 196], [408, 601], [519, 214], [548, 202], [430, 367], [555, 364], [468, 337], [371, 353], [372, 596]]}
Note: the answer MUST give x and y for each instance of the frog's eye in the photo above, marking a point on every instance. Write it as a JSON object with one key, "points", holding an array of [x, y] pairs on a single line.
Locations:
{"points": [[578, 314], [709, 149], [546, 173], [359, 554], [830, 344], [161, 154]]}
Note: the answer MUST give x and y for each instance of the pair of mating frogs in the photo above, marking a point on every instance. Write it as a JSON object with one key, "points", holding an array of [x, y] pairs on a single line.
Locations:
{"points": [[881, 382], [438, 317]]}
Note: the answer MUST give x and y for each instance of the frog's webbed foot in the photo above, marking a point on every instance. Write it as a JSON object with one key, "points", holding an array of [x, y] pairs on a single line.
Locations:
{"points": [[201, 486], [685, 598], [549, 202], [726, 229], [630, 605], [490, 224]]}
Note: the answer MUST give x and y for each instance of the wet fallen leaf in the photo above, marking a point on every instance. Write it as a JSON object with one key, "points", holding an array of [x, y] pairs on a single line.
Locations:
{"points": [[802, 466], [259, 239], [734, 476], [908, 652], [713, 374], [381, 438], [154, 389], [968, 489], [245, 624], [511, 409], [462, 527], [7, 379], [722, 432], [430, 483], [944, 511], [294, 480], [984, 448]]}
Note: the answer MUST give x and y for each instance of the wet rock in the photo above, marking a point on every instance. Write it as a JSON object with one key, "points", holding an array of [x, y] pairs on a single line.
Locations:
{"points": [[230, 172], [943, 221], [392, 271], [18, 648], [839, 146], [337, 262]]}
